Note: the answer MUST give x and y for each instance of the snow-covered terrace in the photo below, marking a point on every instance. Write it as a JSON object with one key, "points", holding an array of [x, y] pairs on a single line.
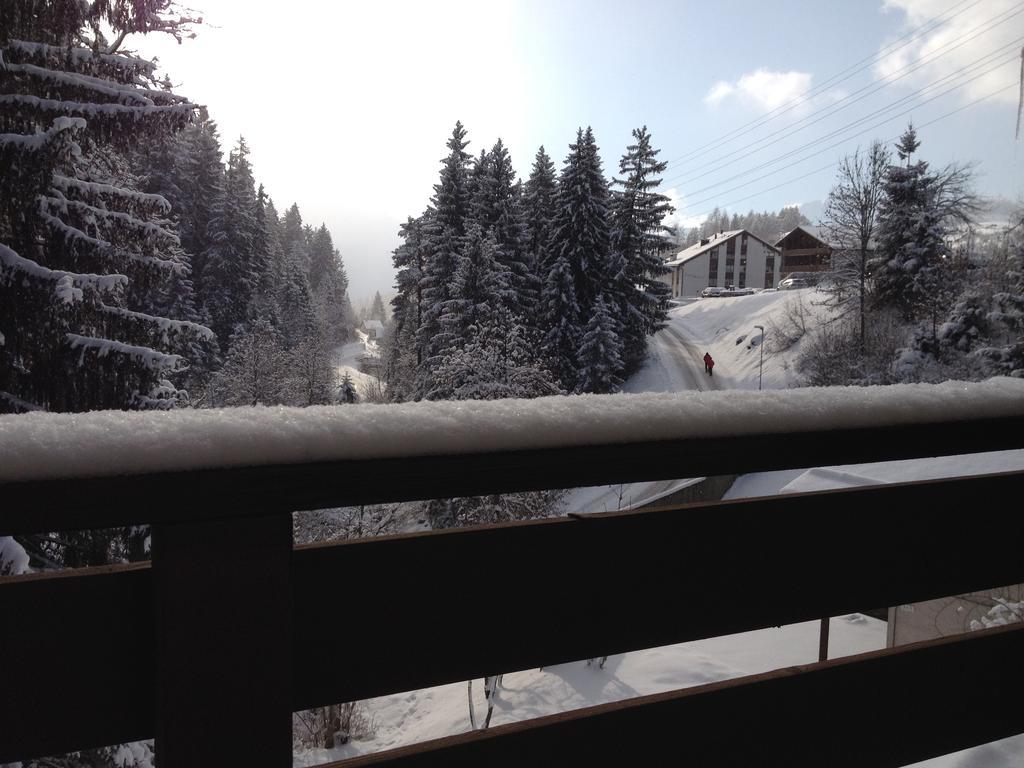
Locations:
{"points": [[230, 624]]}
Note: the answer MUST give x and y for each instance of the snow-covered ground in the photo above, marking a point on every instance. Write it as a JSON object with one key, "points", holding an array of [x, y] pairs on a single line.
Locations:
{"points": [[725, 327], [408, 718], [346, 360], [675, 364]]}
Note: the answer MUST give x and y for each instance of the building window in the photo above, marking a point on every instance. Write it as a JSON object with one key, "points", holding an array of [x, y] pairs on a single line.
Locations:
{"points": [[743, 245], [730, 247]]}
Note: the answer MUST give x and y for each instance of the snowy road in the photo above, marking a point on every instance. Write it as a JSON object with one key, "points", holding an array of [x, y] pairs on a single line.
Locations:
{"points": [[674, 364]]}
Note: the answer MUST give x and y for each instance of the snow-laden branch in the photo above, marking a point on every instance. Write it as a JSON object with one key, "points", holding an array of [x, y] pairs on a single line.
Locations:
{"points": [[167, 326], [65, 183], [69, 232], [151, 358], [96, 111], [78, 56], [33, 142], [48, 445], [126, 94], [66, 284], [148, 229]]}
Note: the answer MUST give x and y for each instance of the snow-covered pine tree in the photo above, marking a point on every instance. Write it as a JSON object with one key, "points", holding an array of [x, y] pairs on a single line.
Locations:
{"points": [[266, 260], [377, 309], [914, 273], [230, 274], [497, 207], [200, 178], [538, 204], [580, 243], [560, 317], [347, 390], [329, 287], [294, 295], [82, 250], [472, 309], [600, 356], [450, 211], [638, 234], [403, 354], [899, 257], [293, 238], [294, 301]]}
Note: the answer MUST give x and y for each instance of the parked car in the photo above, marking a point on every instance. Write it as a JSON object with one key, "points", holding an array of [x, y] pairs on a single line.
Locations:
{"points": [[711, 293], [792, 283]]}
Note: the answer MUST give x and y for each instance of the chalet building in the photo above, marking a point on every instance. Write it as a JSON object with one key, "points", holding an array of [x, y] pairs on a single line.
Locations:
{"points": [[729, 259], [803, 250]]}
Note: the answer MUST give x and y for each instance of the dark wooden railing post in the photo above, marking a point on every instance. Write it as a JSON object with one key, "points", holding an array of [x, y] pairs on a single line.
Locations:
{"points": [[223, 602]]}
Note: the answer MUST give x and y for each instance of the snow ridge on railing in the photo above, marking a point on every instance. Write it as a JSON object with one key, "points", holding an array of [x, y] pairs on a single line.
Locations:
{"points": [[47, 445]]}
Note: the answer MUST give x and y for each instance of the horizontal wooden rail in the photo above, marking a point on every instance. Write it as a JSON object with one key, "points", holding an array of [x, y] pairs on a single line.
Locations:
{"points": [[673, 575], [884, 709], [66, 504]]}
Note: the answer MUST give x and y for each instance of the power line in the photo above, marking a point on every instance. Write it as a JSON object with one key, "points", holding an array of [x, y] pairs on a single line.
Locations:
{"points": [[860, 94], [836, 162], [852, 70], [895, 105]]}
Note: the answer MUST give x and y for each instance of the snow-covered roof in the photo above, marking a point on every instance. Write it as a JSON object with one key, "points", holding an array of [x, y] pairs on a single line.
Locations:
{"points": [[820, 234], [714, 241], [810, 229], [373, 325], [37, 446]]}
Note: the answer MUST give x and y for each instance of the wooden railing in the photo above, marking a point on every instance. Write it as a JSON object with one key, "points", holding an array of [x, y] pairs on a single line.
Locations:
{"points": [[212, 646]]}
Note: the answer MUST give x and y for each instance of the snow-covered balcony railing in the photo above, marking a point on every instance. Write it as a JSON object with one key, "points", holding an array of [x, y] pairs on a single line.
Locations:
{"points": [[212, 646]]}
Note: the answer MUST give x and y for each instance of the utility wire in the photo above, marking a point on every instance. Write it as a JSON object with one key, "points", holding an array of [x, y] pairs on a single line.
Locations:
{"points": [[895, 105], [839, 77], [834, 163], [860, 94]]}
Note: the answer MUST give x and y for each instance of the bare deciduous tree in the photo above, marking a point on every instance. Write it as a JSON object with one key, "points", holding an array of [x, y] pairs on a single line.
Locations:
{"points": [[851, 218]]}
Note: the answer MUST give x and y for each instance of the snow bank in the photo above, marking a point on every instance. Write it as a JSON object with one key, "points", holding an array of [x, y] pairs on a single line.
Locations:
{"points": [[44, 445]]}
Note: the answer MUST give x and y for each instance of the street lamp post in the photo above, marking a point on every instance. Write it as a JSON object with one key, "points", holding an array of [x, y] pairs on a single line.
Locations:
{"points": [[760, 367]]}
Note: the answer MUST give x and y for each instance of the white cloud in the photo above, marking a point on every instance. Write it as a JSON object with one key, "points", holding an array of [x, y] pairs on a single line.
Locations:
{"points": [[946, 49], [719, 91], [762, 87], [682, 217]]}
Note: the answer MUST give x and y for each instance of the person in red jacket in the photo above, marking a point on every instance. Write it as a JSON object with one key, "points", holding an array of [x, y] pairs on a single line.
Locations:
{"points": [[709, 364]]}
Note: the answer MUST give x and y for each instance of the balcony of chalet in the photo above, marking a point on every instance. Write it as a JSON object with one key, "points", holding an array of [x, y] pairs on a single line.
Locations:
{"points": [[223, 635]]}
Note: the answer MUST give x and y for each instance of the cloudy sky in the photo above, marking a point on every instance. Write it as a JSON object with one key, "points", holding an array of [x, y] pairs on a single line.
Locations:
{"points": [[347, 105]]}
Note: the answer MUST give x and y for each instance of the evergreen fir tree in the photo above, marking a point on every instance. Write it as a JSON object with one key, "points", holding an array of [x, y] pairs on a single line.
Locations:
{"points": [[497, 207], [404, 351], [294, 301], [900, 256], [449, 217], [230, 274], [347, 390], [560, 315], [600, 353], [377, 310], [266, 260], [329, 287], [538, 203], [638, 235], [200, 174], [83, 252], [580, 243]]}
